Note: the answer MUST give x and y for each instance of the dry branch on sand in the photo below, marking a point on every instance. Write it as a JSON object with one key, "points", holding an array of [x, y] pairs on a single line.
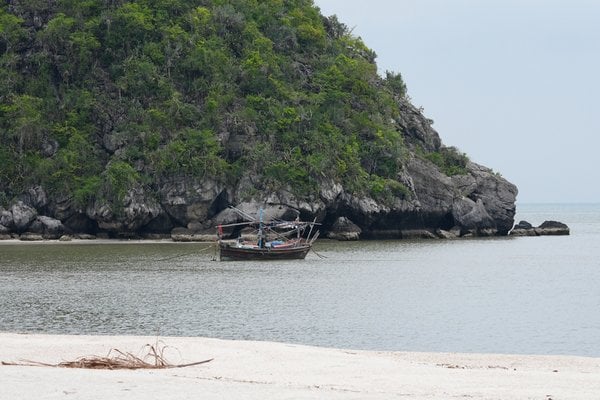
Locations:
{"points": [[117, 359]]}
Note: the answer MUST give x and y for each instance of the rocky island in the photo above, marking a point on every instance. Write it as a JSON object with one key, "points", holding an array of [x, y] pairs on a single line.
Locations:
{"points": [[149, 119]]}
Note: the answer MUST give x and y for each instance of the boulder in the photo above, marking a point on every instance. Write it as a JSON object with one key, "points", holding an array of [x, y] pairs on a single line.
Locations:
{"points": [[472, 216], [23, 215], [548, 228], [523, 228], [523, 225], [455, 231], [344, 229], [497, 195], [553, 228], [31, 237], [443, 234], [187, 200], [48, 227], [6, 218]]}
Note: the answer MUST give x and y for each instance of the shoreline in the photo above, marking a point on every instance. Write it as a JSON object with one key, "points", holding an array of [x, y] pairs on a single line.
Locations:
{"points": [[102, 241], [259, 370]]}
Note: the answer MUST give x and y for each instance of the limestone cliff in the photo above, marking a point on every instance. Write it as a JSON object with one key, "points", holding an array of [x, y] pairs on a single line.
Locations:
{"points": [[478, 202], [135, 118]]}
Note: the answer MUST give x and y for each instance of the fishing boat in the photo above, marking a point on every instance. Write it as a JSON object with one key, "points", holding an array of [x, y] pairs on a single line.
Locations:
{"points": [[274, 240]]}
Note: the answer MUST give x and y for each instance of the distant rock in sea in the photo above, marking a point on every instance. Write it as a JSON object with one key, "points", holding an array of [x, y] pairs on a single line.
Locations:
{"points": [[548, 228]]}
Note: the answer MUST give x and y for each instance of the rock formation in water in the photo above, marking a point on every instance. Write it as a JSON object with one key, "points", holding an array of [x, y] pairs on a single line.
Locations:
{"points": [[547, 228], [476, 203], [143, 119]]}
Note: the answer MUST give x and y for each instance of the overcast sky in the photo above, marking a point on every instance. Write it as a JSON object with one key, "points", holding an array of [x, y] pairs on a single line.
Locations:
{"points": [[515, 84]]}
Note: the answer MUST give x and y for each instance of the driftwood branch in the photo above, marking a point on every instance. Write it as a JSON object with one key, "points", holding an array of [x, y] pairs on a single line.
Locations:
{"points": [[116, 359]]}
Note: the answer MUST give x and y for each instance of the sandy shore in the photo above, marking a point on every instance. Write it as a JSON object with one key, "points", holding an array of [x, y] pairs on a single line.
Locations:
{"points": [[261, 370]]}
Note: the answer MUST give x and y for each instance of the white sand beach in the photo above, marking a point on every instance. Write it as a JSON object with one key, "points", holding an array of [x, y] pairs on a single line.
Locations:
{"points": [[262, 370]]}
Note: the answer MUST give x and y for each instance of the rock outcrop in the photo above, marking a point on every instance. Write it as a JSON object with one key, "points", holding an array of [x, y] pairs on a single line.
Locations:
{"points": [[553, 228], [344, 229], [548, 228], [159, 146], [20, 217], [49, 228], [139, 208], [477, 202]]}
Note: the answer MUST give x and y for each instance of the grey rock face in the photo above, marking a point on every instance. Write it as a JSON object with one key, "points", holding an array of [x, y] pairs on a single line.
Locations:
{"points": [[62, 207], [35, 197], [23, 215], [479, 202], [443, 234], [523, 225], [330, 191], [416, 127], [187, 200], [74, 218], [138, 210], [523, 232], [49, 148], [31, 237], [553, 228], [344, 229], [4, 230], [553, 225], [472, 216], [48, 227], [497, 194], [6, 218], [548, 228]]}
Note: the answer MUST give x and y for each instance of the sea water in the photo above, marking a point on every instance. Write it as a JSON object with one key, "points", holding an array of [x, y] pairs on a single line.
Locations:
{"points": [[526, 295]]}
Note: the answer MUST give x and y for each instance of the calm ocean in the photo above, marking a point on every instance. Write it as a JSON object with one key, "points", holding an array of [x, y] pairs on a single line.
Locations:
{"points": [[504, 295]]}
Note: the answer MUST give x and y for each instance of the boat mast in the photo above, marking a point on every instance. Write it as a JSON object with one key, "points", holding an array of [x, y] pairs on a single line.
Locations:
{"points": [[260, 229]]}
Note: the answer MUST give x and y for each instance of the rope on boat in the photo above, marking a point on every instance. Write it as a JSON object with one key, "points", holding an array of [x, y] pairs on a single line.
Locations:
{"points": [[318, 255], [188, 254]]}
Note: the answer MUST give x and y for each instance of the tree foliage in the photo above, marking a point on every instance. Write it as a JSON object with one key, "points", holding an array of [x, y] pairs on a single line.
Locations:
{"points": [[99, 95], [449, 160]]}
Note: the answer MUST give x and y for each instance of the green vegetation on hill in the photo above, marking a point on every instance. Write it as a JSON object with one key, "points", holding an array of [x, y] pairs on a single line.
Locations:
{"points": [[449, 160], [98, 95]]}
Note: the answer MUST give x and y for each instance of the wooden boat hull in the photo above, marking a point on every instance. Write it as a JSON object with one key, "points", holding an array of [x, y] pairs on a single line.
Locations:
{"points": [[238, 253]]}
